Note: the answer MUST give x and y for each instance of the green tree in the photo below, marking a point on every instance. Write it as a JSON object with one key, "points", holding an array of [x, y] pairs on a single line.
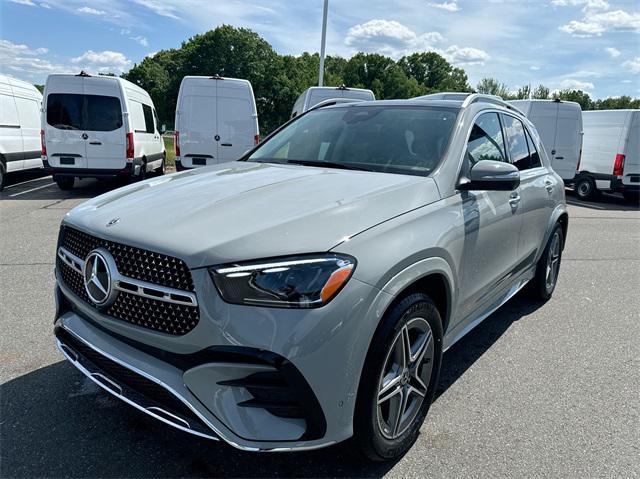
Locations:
{"points": [[541, 92], [491, 86], [434, 72], [578, 96], [617, 103]]}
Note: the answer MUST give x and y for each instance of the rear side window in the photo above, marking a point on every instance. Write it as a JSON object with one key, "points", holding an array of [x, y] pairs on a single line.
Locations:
{"points": [[485, 140], [148, 118], [533, 152], [516, 142], [68, 111]]}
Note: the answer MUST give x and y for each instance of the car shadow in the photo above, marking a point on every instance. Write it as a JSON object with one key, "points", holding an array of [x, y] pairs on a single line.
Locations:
{"points": [[603, 202], [57, 423]]}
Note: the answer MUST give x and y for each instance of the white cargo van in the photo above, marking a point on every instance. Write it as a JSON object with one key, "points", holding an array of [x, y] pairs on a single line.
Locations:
{"points": [[559, 124], [610, 154], [99, 127], [20, 104], [216, 121], [316, 94]]}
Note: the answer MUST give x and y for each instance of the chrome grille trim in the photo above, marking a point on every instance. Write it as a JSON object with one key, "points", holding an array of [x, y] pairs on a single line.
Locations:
{"points": [[134, 286]]}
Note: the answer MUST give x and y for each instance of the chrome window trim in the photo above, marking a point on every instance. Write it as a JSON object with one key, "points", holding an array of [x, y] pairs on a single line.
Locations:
{"points": [[136, 287]]}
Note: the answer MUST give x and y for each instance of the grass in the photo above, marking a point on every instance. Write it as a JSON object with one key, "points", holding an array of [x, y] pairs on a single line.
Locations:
{"points": [[168, 144]]}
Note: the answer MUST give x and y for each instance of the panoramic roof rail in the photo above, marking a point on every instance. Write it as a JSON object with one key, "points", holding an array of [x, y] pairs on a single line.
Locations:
{"points": [[496, 100], [334, 101]]}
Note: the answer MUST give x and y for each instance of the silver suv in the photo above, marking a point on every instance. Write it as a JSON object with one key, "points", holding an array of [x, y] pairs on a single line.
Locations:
{"points": [[305, 294]]}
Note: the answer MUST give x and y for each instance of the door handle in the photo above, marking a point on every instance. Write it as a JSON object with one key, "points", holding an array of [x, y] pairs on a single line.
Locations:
{"points": [[559, 157], [95, 143], [226, 144], [548, 184], [514, 199]]}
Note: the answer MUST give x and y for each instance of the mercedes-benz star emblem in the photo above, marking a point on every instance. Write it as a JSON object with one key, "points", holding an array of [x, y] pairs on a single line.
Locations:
{"points": [[97, 277]]}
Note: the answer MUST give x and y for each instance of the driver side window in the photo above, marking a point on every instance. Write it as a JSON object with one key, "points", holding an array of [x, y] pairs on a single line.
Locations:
{"points": [[486, 141]]}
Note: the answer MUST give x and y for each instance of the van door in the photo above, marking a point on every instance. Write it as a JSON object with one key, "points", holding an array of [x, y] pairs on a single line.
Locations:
{"points": [[29, 113], [568, 141], [544, 115], [64, 134], [10, 135], [104, 126], [236, 120], [632, 152], [198, 125]]}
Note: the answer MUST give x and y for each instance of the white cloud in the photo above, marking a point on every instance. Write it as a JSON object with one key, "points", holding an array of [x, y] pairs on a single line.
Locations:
{"points": [[633, 64], [466, 55], [28, 3], [45, 5], [389, 37], [91, 11], [448, 6], [573, 84], [159, 7], [599, 23], [534, 68], [585, 4], [613, 52], [22, 58], [104, 62], [141, 40]]}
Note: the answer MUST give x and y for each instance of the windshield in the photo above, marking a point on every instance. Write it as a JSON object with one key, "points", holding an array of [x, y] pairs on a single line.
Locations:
{"points": [[396, 139]]}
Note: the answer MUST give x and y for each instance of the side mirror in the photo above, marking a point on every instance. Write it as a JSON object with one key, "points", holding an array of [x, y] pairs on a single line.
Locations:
{"points": [[491, 175]]}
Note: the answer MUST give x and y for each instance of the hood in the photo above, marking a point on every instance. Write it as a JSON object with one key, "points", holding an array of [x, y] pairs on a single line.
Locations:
{"points": [[241, 210]]}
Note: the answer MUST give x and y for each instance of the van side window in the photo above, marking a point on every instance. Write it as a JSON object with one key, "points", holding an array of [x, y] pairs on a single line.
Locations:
{"points": [[533, 152], [517, 142], [148, 118], [485, 140]]}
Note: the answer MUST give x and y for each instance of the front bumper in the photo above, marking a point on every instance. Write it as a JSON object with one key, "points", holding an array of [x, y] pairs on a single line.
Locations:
{"points": [[319, 353]]}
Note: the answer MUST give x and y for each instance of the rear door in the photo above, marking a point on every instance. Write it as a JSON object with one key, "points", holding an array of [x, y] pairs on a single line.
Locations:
{"points": [[568, 141], [236, 120], [64, 122], [10, 132], [198, 123], [104, 126], [632, 152]]}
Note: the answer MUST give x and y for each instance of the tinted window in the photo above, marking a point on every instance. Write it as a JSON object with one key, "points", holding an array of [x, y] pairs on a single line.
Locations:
{"points": [[516, 142], [68, 111], [485, 140], [103, 113], [406, 140], [148, 118], [533, 153], [64, 111]]}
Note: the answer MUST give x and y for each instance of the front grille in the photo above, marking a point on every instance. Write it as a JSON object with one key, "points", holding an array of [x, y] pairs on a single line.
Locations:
{"points": [[133, 262], [155, 314]]}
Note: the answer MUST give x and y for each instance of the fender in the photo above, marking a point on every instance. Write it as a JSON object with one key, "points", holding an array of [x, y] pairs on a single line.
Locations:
{"points": [[553, 219]]}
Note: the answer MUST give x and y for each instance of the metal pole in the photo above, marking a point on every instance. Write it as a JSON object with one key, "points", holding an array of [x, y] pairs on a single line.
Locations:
{"points": [[324, 40]]}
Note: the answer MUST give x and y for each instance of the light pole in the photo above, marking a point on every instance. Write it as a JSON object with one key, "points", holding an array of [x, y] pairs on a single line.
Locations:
{"points": [[324, 40]]}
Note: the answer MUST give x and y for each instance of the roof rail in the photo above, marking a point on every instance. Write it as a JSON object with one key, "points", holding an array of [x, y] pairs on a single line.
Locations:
{"points": [[475, 97], [333, 101]]}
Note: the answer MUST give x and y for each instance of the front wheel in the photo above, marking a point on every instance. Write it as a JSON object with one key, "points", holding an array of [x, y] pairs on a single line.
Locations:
{"points": [[65, 183], [399, 379], [544, 282]]}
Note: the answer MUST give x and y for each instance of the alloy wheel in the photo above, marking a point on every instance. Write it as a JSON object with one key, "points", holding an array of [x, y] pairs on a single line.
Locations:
{"points": [[553, 262], [405, 377]]}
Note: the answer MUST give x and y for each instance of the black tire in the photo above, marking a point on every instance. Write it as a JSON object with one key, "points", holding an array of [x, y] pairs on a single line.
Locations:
{"points": [[368, 438], [143, 171], [632, 197], [585, 188], [3, 176], [162, 169], [65, 183], [540, 287]]}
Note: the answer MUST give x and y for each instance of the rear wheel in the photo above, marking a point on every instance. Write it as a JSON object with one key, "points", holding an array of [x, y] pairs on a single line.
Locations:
{"points": [[399, 379], [544, 282], [162, 169], [143, 171], [3, 175], [585, 188], [65, 183]]}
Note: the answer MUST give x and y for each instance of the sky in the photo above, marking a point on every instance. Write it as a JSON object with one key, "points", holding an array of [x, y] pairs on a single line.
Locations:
{"points": [[593, 45]]}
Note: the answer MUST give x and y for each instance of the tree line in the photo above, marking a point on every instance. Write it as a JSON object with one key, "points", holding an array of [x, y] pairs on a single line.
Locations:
{"points": [[277, 80]]}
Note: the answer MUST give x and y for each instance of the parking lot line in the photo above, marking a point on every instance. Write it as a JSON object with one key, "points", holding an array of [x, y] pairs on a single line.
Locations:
{"points": [[27, 182], [32, 189]]}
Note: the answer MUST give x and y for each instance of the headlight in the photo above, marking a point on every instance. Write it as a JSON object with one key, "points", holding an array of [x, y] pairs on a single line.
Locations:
{"points": [[292, 282]]}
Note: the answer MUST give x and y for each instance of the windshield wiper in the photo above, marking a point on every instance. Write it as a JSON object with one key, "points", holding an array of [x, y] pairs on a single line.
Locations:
{"points": [[327, 164]]}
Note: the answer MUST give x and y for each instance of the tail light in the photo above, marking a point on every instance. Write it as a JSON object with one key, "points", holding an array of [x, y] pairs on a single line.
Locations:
{"points": [[618, 165], [43, 146], [256, 139], [130, 146], [176, 143]]}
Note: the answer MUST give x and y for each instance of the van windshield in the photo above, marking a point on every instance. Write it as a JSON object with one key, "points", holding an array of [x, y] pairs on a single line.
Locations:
{"points": [[69, 111], [391, 139]]}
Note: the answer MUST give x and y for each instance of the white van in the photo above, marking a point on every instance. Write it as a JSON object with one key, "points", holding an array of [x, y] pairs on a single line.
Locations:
{"points": [[610, 154], [559, 124], [316, 94], [20, 104], [216, 121], [99, 127]]}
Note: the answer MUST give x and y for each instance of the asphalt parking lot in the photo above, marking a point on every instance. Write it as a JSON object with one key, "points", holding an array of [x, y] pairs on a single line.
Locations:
{"points": [[537, 390]]}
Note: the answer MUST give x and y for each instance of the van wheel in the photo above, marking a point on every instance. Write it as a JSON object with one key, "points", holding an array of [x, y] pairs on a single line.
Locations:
{"points": [[65, 183], [585, 188], [3, 176], [162, 169], [399, 379], [143, 171], [548, 268], [632, 196]]}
